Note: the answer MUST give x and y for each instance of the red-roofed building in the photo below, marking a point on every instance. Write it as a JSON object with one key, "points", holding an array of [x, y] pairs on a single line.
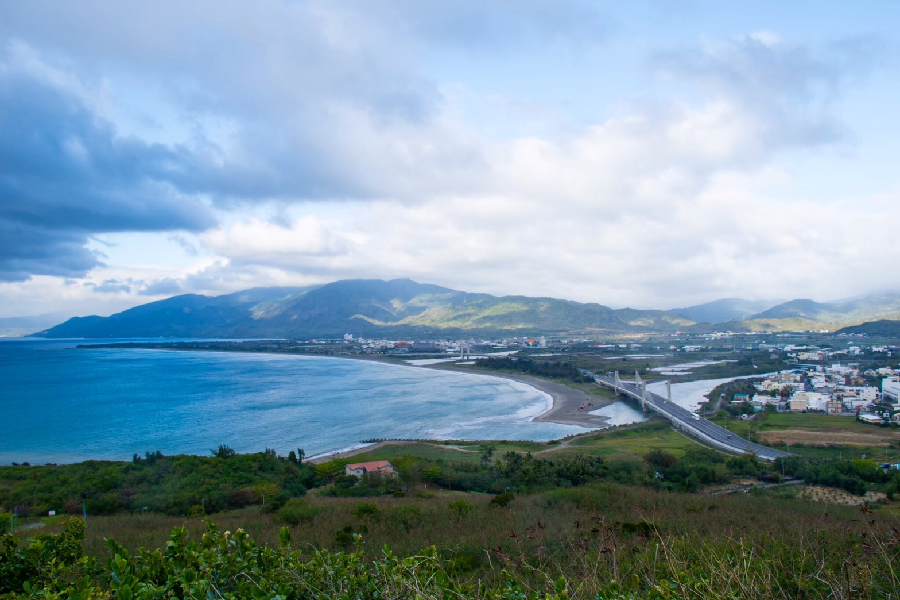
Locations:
{"points": [[375, 467]]}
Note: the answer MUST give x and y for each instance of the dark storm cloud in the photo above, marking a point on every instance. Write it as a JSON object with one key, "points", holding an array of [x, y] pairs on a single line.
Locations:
{"points": [[65, 175], [27, 249], [63, 167]]}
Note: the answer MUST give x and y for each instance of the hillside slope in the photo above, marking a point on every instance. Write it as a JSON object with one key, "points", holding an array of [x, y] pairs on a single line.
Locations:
{"points": [[371, 308], [805, 314]]}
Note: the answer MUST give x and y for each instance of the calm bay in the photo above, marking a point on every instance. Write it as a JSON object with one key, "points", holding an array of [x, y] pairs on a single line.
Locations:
{"points": [[62, 404]]}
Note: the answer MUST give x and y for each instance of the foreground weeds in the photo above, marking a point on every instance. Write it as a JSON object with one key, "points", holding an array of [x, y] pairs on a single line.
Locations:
{"points": [[601, 542]]}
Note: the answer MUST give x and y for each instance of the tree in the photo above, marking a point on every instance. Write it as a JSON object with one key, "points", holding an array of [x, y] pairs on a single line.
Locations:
{"points": [[224, 451], [660, 458], [487, 452], [431, 474], [301, 454]]}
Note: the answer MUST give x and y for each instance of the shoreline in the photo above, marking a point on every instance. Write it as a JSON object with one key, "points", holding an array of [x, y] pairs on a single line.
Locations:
{"points": [[565, 400], [564, 409]]}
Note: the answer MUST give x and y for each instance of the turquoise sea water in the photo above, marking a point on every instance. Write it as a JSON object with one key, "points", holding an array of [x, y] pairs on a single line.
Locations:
{"points": [[62, 404]]}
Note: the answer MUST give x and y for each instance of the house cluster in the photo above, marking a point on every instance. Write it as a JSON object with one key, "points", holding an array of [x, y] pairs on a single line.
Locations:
{"points": [[836, 389], [812, 353], [445, 346]]}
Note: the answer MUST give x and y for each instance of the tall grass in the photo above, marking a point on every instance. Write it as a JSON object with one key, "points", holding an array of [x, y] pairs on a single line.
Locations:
{"points": [[603, 541]]}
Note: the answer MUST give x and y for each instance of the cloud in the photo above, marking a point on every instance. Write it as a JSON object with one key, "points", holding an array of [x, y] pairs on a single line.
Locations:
{"points": [[161, 287], [189, 248], [255, 239], [65, 175], [787, 92], [670, 200], [114, 286], [282, 102], [176, 118]]}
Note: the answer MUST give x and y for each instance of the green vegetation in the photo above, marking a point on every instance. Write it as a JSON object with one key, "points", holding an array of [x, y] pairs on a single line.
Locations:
{"points": [[172, 485], [551, 370], [599, 541], [632, 443], [371, 308], [624, 513]]}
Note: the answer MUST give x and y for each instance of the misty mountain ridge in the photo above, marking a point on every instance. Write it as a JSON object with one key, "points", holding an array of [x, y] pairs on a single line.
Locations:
{"points": [[404, 308], [370, 308], [726, 309], [806, 314]]}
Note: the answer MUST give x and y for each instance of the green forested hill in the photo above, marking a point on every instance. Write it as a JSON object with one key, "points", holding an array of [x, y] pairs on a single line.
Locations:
{"points": [[394, 308]]}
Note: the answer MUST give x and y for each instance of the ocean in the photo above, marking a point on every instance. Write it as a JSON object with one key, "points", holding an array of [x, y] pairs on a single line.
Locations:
{"points": [[62, 404]]}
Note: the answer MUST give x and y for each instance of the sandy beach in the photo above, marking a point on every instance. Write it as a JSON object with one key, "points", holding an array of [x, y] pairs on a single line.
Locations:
{"points": [[567, 401], [566, 409]]}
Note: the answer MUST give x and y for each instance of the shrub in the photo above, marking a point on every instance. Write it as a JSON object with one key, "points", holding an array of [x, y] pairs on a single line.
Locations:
{"points": [[344, 536], [460, 507], [502, 500], [297, 510], [365, 510], [464, 562]]}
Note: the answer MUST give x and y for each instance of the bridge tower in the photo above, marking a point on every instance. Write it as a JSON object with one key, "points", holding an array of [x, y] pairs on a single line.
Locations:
{"points": [[669, 391], [616, 382], [641, 385]]}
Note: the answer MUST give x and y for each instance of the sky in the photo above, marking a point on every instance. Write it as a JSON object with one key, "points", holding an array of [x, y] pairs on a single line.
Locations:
{"points": [[652, 154]]}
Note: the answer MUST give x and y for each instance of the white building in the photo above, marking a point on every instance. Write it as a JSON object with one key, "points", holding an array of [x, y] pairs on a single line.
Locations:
{"points": [[809, 401], [867, 392], [890, 389]]}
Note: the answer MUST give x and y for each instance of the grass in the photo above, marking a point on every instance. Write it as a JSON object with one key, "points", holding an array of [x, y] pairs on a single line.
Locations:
{"points": [[857, 437], [453, 451], [432, 451], [632, 443], [760, 545], [626, 443]]}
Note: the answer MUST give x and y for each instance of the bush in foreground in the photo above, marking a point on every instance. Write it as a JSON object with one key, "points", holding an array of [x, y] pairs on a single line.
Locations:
{"points": [[649, 563]]}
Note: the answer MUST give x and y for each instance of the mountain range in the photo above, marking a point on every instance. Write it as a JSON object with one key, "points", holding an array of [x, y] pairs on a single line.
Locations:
{"points": [[727, 309], [403, 308]]}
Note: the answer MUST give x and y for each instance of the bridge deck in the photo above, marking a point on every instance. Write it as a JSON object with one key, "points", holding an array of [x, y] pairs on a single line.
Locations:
{"points": [[688, 422]]}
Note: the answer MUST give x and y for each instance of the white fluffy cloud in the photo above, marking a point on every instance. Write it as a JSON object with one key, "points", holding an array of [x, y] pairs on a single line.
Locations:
{"points": [[306, 142]]}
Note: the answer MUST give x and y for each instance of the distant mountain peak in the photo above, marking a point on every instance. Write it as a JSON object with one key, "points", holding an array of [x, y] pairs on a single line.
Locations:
{"points": [[725, 310]]}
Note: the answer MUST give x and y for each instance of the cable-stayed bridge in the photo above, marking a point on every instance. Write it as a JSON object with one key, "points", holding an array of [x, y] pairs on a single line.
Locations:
{"points": [[684, 420]]}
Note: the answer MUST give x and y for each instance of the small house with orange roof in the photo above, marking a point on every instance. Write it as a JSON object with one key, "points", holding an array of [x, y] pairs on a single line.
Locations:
{"points": [[374, 467]]}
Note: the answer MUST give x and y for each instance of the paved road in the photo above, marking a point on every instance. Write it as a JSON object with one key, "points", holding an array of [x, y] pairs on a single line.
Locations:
{"points": [[693, 424]]}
